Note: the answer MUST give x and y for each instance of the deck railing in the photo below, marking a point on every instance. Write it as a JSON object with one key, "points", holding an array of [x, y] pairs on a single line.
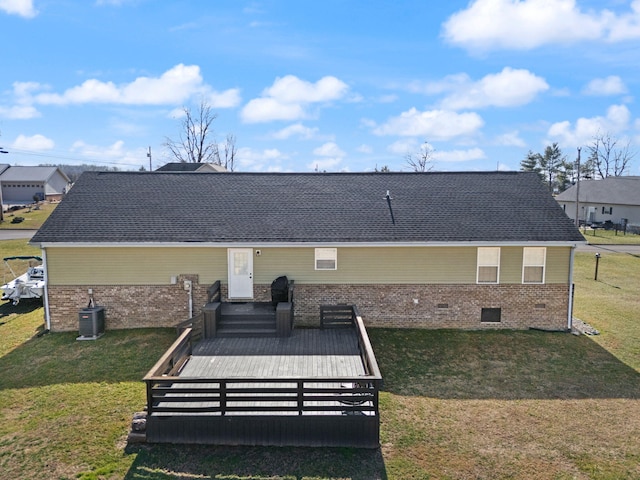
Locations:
{"points": [[168, 393]]}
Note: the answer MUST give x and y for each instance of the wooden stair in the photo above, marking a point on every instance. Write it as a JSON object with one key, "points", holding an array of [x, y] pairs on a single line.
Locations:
{"points": [[247, 320]]}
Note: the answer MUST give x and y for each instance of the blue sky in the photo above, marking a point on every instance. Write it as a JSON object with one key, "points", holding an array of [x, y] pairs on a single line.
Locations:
{"points": [[333, 85]]}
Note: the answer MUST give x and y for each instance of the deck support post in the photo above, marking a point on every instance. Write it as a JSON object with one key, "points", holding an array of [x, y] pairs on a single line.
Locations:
{"points": [[300, 397], [223, 398]]}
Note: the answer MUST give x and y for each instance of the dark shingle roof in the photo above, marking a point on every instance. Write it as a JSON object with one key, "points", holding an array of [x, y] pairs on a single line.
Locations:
{"points": [[610, 190], [312, 207], [30, 174]]}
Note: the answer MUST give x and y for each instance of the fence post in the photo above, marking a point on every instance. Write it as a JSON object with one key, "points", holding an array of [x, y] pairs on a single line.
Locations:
{"points": [[149, 397], [223, 397], [300, 397]]}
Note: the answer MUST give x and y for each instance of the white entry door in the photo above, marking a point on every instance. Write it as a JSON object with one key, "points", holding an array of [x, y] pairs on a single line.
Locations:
{"points": [[240, 272]]}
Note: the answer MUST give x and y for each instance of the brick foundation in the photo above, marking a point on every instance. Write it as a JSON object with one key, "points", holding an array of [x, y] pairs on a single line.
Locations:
{"points": [[438, 306], [126, 306]]}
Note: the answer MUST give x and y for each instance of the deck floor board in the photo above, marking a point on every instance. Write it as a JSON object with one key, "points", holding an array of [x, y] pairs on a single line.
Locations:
{"points": [[306, 353]]}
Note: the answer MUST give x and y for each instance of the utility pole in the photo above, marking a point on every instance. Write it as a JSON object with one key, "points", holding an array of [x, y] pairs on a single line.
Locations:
{"points": [[2, 150], [578, 191], [149, 155]]}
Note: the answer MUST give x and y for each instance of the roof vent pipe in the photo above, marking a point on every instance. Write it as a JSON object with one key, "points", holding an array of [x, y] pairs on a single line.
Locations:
{"points": [[388, 198]]}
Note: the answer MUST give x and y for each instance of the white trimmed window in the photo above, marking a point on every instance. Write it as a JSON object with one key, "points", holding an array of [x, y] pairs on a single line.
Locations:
{"points": [[488, 264], [533, 264], [326, 258]]}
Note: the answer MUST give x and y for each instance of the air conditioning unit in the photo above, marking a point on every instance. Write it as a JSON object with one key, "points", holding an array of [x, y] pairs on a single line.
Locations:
{"points": [[91, 323]]}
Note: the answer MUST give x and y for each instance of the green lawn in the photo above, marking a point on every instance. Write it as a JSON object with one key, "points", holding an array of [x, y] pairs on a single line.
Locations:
{"points": [[33, 219], [455, 405], [609, 237]]}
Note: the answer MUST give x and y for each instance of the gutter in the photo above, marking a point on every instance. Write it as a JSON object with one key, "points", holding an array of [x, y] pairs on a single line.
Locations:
{"points": [[45, 298], [570, 282]]}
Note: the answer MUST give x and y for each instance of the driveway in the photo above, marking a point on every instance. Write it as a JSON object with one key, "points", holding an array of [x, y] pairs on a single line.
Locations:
{"points": [[16, 234], [630, 249]]}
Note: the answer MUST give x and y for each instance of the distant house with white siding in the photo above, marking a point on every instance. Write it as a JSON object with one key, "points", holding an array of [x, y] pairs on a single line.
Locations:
{"points": [[21, 184], [611, 198]]}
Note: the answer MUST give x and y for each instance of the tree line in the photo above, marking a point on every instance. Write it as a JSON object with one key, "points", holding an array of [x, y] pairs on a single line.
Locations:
{"points": [[606, 157]]}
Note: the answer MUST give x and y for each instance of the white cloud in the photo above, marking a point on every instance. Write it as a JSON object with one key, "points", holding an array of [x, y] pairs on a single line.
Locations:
{"points": [[404, 146], [453, 156], [611, 85], [331, 156], [288, 98], [528, 24], [626, 26], [615, 122], [365, 149], [176, 85], [389, 98], [19, 112], [324, 164], [268, 109], [329, 149], [296, 130], [22, 110], [115, 153], [431, 124], [510, 139], [36, 143], [23, 8], [114, 3], [227, 99], [508, 88], [268, 160], [291, 89]]}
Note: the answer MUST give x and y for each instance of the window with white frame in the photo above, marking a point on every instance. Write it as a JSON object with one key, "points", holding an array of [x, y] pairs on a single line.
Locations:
{"points": [[488, 265], [533, 264], [326, 258]]}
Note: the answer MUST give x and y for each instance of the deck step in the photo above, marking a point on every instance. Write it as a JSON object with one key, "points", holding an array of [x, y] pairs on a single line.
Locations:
{"points": [[245, 332], [247, 320]]}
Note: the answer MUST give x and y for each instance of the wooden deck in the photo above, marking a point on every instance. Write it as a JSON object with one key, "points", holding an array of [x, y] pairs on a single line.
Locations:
{"points": [[317, 387], [306, 353]]}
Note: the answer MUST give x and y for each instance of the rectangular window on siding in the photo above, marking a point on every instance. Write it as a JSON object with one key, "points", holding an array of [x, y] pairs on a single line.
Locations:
{"points": [[607, 210], [488, 264], [533, 264], [326, 258]]}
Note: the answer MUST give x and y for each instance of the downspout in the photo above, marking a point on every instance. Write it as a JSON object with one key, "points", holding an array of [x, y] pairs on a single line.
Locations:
{"points": [[570, 309], [45, 298]]}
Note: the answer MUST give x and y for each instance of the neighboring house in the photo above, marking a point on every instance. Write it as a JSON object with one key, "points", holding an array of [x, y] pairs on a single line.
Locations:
{"points": [[432, 250], [191, 167], [21, 184], [612, 199]]}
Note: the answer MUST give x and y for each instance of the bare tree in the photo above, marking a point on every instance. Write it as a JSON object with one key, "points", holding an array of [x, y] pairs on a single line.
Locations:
{"points": [[230, 152], [197, 142], [421, 161], [610, 159]]}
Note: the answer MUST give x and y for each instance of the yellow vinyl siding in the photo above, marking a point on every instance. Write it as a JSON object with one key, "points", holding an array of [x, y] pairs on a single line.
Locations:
{"points": [[557, 265], [133, 266], [356, 265], [556, 268]]}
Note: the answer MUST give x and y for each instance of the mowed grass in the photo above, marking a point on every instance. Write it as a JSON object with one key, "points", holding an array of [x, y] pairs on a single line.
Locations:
{"points": [[455, 405], [11, 248], [609, 237], [33, 218]]}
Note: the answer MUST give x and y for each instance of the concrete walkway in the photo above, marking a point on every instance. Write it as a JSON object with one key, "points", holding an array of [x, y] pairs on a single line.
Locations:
{"points": [[14, 234]]}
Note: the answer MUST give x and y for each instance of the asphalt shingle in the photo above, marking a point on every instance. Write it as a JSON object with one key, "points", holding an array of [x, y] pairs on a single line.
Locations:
{"points": [[310, 207]]}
